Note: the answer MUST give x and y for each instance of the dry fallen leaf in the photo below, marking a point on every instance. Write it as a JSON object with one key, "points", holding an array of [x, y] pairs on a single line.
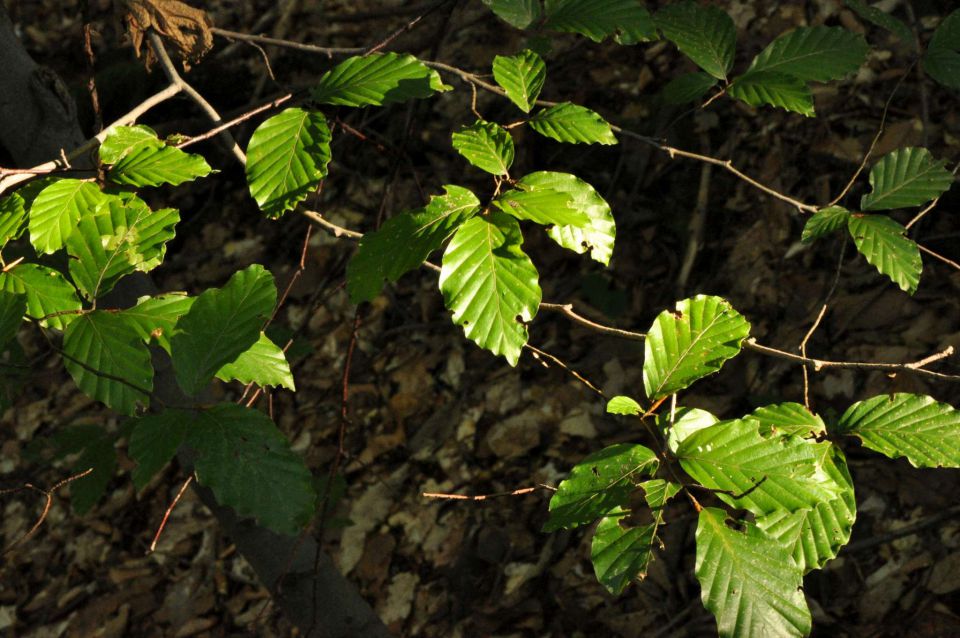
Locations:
{"points": [[186, 27]]}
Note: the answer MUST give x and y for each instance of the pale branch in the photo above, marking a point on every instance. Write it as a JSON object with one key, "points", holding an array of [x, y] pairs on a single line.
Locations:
{"points": [[9, 180], [175, 79]]}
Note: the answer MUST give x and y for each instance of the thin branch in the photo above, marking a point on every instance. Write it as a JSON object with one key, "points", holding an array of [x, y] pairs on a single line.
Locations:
{"points": [[166, 515], [929, 207], [174, 76], [288, 44], [538, 353], [945, 260], [483, 497], [48, 495]]}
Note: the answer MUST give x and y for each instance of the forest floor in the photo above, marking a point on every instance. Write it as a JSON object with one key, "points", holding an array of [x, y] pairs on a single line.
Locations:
{"points": [[430, 412]]}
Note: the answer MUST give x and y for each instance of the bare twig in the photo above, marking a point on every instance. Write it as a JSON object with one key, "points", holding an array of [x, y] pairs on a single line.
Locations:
{"points": [[48, 495], [803, 351], [174, 76], [929, 207], [288, 44], [166, 515], [537, 353], [483, 497], [945, 260]]}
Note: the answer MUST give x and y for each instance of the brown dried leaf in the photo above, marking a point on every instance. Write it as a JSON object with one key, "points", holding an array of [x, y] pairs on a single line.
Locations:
{"points": [[186, 27]]}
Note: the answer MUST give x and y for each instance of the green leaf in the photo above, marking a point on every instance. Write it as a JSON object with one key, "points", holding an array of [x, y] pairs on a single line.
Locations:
{"points": [[758, 473], [597, 19], [599, 483], [56, 211], [623, 405], [124, 139], [572, 124], [154, 441], [917, 427], [521, 76], [286, 159], [12, 309], [154, 318], [490, 284], [220, 325], [790, 419], [884, 244], [688, 87], [748, 580], [96, 450], [108, 361], [148, 165], [942, 59], [705, 34], [757, 88], [377, 79], [813, 54], [517, 13], [619, 555], [658, 491], [883, 20], [247, 462], [13, 212], [541, 206], [117, 240], [486, 145], [904, 178], [47, 292], [689, 343], [406, 240], [264, 364], [597, 237], [686, 421], [816, 535], [824, 222]]}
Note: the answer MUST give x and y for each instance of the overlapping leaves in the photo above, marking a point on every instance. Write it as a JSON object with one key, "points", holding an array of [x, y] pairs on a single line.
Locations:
{"points": [[406, 240], [274, 486], [220, 325], [598, 484]]}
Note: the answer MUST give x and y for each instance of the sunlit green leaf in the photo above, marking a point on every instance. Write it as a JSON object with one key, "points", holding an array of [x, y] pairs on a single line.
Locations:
{"points": [[521, 76], [824, 222], [56, 211], [286, 159], [758, 473], [221, 324], [686, 421], [47, 292], [13, 212], [490, 284], [124, 139], [597, 237], [689, 343], [904, 178], [377, 79], [542, 206], [757, 88], [486, 145], [748, 580], [263, 364], [599, 483], [917, 427], [572, 124], [790, 419], [623, 405], [883, 242], [154, 318], [116, 241], [148, 165]]}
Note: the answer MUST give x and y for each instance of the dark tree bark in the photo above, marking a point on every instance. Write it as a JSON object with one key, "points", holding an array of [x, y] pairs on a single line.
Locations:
{"points": [[38, 123]]}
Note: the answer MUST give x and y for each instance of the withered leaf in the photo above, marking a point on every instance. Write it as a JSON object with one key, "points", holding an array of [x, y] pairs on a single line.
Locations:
{"points": [[187, 28]]}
